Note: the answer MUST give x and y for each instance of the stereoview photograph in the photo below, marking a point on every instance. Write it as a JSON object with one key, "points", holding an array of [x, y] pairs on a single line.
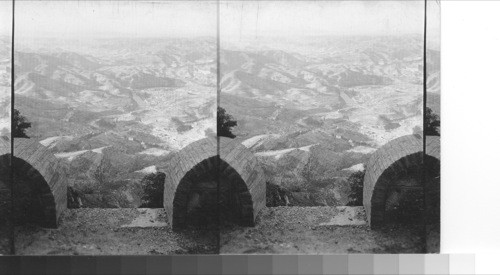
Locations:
{"points": [[220, 127]]}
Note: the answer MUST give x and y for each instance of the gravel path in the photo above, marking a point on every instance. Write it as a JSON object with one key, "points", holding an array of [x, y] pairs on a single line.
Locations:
{"points": [[279, 230], [122, 231], [311, 230]]}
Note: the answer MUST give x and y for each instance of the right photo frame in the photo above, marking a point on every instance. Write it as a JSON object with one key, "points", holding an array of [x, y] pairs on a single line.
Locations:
{"points": [[335, 109]]}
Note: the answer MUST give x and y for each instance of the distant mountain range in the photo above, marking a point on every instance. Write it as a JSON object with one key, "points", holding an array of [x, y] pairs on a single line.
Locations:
{"points": [[5, 89], [123, 103], [311, 110]]}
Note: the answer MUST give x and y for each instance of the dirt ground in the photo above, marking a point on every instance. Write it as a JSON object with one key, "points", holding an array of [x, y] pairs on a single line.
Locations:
{"points": [[4, 239], [318, 230], [122, 231], [279, 230]]}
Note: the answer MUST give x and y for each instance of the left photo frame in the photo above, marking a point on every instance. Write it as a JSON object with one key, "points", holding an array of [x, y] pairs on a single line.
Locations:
{"points": [[105, 93]]}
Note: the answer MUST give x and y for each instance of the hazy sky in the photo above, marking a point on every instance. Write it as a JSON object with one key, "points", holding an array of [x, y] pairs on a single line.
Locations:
{"points": [[5, 17], [198, 18], [245, 18], [115, 18]]}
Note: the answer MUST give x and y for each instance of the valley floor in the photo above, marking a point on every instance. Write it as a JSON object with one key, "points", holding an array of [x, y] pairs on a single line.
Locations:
{"points": [[279, 230]]}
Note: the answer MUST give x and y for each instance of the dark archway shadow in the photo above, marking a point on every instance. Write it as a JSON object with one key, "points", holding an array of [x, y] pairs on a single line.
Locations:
{"points": [[211, 195], [407, 197], [33, 201]]}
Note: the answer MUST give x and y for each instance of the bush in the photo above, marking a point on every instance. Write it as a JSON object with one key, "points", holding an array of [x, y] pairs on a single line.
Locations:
{"points": [[153, 185], [73, 198], [225, 123], [432, 123], [355, 180], [19, 125], [275, 195]]}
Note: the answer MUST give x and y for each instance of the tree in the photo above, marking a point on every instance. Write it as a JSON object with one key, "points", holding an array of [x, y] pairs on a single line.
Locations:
{"points": [[275, 195], [225, 123], [432, 123], [356, 182], [152, 185], [19, 125]]}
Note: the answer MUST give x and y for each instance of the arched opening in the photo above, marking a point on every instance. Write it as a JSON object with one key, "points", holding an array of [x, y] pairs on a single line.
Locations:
{"points": [[33, 201], [210, 195], [5, 196], [410, 191], [401, 190], [432, 176]]}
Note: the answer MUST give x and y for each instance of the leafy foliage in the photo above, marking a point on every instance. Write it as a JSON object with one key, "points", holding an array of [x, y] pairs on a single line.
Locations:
{"points": [[19, 125], [275, 195], [73, 198], [225, 123], [432, 123], [152, 185], [355, 180]]}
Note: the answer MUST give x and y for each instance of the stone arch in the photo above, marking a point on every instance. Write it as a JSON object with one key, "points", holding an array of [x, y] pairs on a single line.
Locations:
{"points": [[42, 173], [433, 178], [200, 159], [399, 162], [4, 179]]}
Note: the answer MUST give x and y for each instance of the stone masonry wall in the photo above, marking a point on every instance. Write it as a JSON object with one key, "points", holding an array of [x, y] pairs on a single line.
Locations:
{"points": [[238, 158], [391, 160], [40, 165]]}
